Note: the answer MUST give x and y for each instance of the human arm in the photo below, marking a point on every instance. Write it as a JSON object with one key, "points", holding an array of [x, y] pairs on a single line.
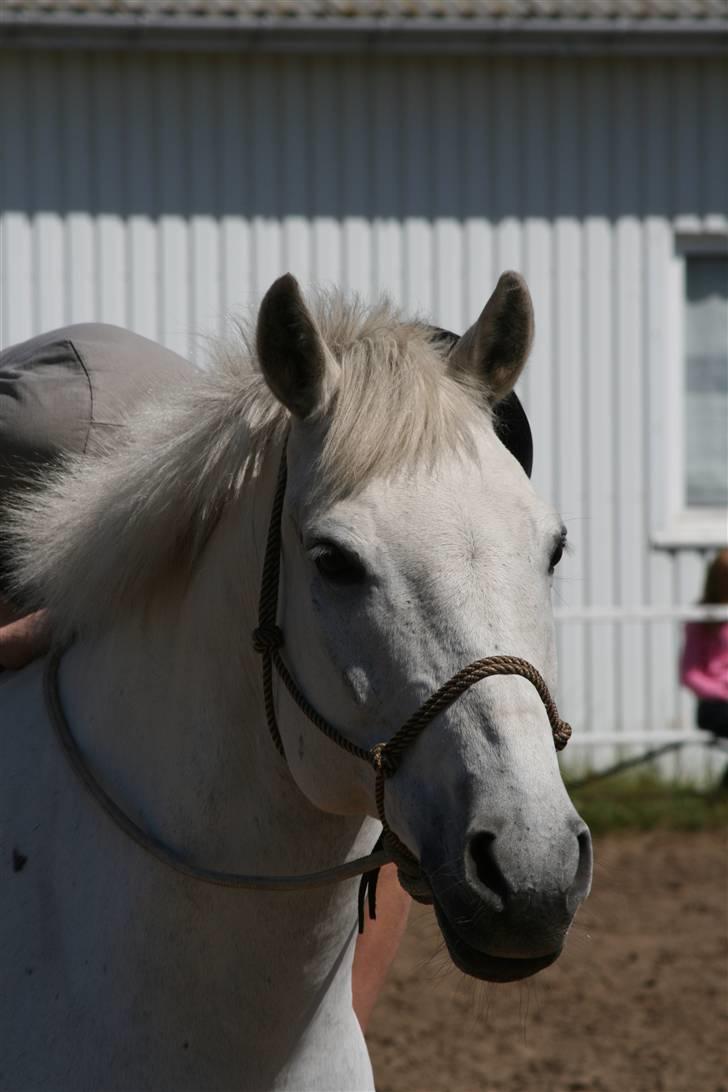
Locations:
{"points": [[378, 944]]}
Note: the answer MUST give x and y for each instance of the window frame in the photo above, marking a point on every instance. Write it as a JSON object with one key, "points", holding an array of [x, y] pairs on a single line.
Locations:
{"points": [[680, 526]]}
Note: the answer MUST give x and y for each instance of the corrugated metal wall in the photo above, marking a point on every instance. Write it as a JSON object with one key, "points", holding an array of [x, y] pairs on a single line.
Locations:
{"points": [[161, 193]]}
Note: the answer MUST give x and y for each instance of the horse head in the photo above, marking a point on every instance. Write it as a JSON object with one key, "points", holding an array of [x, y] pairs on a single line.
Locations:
{"points": [[413, 543]]}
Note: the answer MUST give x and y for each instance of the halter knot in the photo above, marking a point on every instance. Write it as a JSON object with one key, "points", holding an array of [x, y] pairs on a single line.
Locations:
{"points": [[381, 759], [267, 638], [562, 735]]}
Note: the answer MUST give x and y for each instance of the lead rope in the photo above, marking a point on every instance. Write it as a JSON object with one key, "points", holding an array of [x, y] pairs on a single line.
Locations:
{"points": [[385, 758], [164, 853]]}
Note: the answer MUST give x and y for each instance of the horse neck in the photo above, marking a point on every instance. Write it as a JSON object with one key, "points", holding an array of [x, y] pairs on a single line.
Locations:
{"points": [[168, 710]]}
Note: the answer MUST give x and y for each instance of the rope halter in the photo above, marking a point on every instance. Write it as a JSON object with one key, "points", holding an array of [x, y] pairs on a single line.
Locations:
{"points": [[385, 758]]}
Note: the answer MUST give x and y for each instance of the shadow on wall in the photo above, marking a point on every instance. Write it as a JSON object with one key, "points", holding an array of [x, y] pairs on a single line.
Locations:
{"points": [[376, 138]]}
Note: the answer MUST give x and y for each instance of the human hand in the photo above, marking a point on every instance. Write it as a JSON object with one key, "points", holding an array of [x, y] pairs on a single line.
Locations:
{"points": [[23, 640]]}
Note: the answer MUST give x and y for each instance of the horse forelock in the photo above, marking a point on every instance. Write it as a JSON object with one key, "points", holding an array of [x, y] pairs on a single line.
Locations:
{"points": [[396, 403], [113, 531]]}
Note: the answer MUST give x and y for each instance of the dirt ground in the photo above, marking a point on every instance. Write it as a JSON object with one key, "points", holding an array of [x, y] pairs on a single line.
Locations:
{"points": [[638, 1002]]}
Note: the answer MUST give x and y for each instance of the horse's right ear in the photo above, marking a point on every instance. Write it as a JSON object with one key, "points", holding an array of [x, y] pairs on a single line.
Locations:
{"points": [[298, 367]]}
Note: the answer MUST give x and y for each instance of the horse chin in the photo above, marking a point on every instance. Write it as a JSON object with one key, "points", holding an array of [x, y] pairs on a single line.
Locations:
{"points": [[489, 968]]}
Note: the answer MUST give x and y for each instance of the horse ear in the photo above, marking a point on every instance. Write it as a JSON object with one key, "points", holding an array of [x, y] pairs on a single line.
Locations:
{"points": [[496, 347], [297, 365]]}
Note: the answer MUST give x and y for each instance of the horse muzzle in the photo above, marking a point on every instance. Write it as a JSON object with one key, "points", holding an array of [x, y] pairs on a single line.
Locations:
{"points": [[505, 908], [490, 968]]}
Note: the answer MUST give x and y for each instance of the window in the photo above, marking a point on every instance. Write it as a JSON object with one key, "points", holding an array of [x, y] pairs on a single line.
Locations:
{"points": [[706, 381], [694, 398]]}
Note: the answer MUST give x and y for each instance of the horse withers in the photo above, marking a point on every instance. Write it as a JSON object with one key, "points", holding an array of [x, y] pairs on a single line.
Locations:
{"points": [[412, 543]]}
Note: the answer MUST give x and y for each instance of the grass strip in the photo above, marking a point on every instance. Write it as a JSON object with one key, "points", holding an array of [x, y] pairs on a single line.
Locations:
{"points": [[644, 801]]}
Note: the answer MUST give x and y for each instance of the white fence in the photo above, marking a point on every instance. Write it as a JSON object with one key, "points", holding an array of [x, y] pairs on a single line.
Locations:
{"points": [[696, 758]]}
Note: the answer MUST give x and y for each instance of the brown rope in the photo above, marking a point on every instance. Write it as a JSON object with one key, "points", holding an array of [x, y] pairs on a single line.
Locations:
{"points": [[313, 715], [268, 637], [166, 854], [389, 754]]}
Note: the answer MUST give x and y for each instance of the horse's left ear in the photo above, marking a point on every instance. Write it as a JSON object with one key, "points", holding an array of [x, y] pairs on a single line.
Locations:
{"points": [[297, 365], [496, 347]]}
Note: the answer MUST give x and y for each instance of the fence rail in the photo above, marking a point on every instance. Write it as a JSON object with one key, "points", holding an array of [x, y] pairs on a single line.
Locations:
{"points": [[623, 708], [642, 614]]}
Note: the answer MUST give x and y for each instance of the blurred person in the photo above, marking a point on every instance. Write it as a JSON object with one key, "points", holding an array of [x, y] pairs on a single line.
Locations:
{"points": [[704, 660], [72, 390]]}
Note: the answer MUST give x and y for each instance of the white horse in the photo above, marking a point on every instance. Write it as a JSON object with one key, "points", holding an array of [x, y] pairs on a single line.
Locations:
{"points": [[412, 544]]}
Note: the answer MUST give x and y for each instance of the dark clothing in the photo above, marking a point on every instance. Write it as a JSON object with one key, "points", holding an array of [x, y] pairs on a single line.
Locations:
{"points": [[713, 717], [71, 390]]}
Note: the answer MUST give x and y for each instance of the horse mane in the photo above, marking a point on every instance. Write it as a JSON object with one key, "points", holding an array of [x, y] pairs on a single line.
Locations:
{"points": [[104, 533]]}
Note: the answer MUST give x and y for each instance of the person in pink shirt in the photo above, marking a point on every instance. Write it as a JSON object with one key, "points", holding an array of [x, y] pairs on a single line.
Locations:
{"points": [[704, 660]]}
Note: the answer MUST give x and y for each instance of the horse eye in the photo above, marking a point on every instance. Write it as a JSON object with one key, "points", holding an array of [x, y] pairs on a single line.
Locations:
{"points": [[337, 565], [558, 552]]}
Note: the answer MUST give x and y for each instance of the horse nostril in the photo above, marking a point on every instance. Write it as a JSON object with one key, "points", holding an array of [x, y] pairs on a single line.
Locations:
{"points": [[582, 878], [487, 868]]}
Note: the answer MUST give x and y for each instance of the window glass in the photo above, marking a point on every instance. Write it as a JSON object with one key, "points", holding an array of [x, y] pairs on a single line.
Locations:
{"points": [[706, 380]]}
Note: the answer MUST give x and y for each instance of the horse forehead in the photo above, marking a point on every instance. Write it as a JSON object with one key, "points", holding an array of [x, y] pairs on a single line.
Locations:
{"points": [[460, 489], [458, 504], [484, 488]]}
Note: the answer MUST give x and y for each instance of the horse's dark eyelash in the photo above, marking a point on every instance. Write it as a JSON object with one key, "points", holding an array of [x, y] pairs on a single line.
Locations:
{"points": [[323, 547], [560, 547]]}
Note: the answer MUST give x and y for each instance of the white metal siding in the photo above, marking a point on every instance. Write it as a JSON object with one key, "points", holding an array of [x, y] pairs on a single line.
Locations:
{"points": [[163, 192]]}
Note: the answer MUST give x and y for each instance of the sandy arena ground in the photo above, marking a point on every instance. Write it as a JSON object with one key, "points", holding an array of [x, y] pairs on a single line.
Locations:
{"points": [[637, 1003]]}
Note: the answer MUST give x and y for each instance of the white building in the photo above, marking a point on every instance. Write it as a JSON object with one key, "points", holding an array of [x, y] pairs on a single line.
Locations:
{"points": [[162, 162]]}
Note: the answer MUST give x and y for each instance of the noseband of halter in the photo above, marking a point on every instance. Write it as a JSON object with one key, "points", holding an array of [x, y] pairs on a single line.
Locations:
{"points": [[385, 758]]}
